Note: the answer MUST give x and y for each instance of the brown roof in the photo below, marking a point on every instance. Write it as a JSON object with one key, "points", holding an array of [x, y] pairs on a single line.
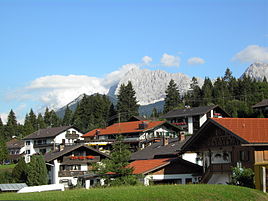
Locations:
{"points": [[126, 127], [253, 130], [15, 143], [157, 150], [263, 103], [47, 132]]}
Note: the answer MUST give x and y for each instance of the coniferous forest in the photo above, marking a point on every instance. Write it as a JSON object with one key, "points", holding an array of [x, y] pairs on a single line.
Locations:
{"points": [[235, 96]]}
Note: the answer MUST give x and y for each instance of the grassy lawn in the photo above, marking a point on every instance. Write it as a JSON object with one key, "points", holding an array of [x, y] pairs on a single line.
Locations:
{"points": [[154, 193], [7, 167]]}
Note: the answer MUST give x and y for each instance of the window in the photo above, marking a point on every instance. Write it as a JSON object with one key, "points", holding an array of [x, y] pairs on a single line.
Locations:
{"points": [[73, 132], [27, 151], [28, 142], [188, 181], [265, 155], [244, 156]]}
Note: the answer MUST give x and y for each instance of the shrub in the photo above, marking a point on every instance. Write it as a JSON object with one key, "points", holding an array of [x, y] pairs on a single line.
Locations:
{"points": [[242, 177]]}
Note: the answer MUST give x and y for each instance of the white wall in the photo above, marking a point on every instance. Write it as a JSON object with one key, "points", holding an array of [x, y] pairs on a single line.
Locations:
{"points": [[202, 119], [183, 177], [190, 125]]}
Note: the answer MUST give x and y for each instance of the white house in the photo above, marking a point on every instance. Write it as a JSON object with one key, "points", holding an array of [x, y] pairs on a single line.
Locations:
{"points": [[138, 134], [48, 139], [72, 162], [191, 119]]}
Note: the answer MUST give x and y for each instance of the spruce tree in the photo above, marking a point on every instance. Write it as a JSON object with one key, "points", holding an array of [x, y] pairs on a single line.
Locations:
{"points": [[54, 119], [47, 117], [67, 119], [127, 105], [40, 121], [11, 126], [20, 171], [3, 151], [33, 120], [37, 171], [118, 164], [172, 99]]}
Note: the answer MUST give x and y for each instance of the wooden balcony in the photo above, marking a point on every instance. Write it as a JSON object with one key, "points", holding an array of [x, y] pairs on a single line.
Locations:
{"points": [[40, 145], [72, 173], [70, 160], [71, 136]]}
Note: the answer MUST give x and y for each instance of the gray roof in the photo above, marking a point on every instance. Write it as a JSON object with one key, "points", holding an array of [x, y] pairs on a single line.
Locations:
{"points": [[12, 187], [47, 132], [157, 149], [15, 143], [263, 103], [185, 112], [55, 154]]}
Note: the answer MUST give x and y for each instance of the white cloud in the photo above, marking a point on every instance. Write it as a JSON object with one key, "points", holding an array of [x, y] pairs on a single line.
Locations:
{"points": [[4, 117], [195, 61], [147, 60], [252, 53], [56, 91], [114, 77], [170, 60]]}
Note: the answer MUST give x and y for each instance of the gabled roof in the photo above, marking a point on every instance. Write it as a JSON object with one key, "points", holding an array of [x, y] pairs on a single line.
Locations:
{"points": [[185, 112], [247, 130], [252, 130], [146, 166], [127, 127], [263, 103], [15, 144], [47, 132], [157, 149], [56, 154]]}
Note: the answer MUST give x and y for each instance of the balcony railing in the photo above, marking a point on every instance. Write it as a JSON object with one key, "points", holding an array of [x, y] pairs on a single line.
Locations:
{"points": [[72, 173], [71, 136], [80, 159], [36, 145]]}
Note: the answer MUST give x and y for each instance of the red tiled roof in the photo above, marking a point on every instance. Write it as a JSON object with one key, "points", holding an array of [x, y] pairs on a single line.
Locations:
{"points": [[145, 166], [125, 127], [253, 130]]}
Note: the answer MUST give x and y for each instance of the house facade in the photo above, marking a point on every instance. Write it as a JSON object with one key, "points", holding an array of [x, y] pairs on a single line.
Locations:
{"points": [[49, 139], [16, 149], [191, 119], [138, 134], [167, 171], [225, 143], [66, 166]]}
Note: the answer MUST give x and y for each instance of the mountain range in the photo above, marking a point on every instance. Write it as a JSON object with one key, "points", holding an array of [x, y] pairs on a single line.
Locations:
{"points": [[150, 86]]}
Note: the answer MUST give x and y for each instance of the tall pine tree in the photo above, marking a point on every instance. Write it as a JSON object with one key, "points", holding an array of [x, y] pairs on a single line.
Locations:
{"points": [[127, 105], [172, 99]]}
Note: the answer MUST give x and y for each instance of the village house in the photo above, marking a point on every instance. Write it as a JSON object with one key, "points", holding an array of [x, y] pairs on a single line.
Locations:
{"points": [[223, 143], [191, 119], [15, 149], [138, 134], [67, 165], [262, 107], [167, 171], [49, 139]]}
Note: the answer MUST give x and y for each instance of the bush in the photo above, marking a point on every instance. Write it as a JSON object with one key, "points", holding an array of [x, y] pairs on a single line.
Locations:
{"points": [[242, 177]]}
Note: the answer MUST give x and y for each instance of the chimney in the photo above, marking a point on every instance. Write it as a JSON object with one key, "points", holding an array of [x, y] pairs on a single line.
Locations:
{"points": [[165, 141], [143, 125], [182, 136]]}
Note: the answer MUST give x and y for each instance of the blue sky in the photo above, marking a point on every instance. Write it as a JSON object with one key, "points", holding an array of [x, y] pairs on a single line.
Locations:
{"points": [[39, 39]]}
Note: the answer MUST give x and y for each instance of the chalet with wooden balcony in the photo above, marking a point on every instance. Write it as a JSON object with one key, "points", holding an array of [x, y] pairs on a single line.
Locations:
{"points": [[72, 162], [191, 119], [223, 143], [138, 134], [49, 139]]}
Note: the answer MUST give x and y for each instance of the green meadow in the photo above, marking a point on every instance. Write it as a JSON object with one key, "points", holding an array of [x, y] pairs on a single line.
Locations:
{"points": [[144, 193]]}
